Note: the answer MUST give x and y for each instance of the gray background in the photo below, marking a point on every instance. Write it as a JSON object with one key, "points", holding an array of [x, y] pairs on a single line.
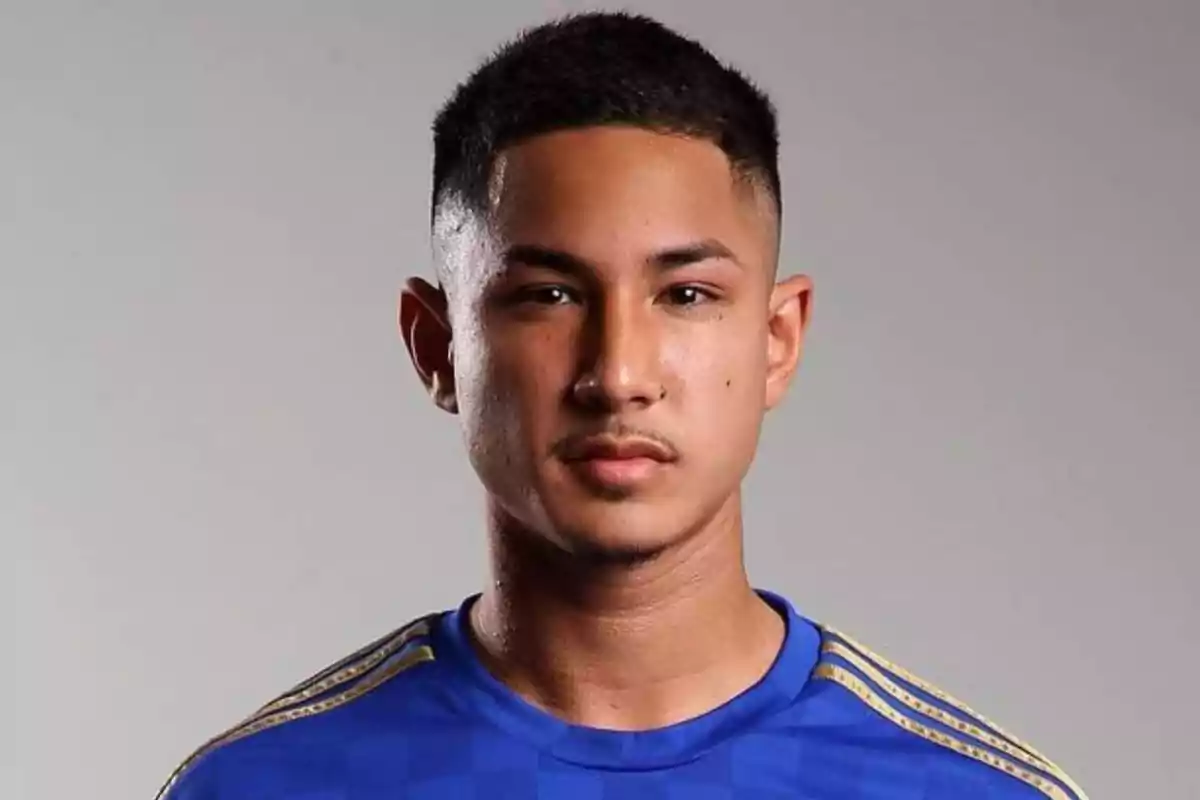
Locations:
{"points": [[217, 472]]}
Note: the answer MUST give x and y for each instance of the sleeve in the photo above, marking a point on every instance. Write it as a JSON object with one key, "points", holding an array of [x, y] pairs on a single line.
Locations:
{"points": [[194, 779]]}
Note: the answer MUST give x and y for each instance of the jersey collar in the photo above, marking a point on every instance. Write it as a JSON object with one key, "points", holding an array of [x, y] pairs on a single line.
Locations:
{"points": [[484, 696]]}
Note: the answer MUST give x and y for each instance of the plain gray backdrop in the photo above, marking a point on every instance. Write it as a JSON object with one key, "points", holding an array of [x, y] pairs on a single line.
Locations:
{"points": [[219, 473]]}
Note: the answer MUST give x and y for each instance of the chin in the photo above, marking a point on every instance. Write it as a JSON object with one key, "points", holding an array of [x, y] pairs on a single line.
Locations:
{"points": [[626, 533], [599, 551]]}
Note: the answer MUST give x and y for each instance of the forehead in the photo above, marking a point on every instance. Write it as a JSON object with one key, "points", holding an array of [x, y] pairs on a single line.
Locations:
{"points": [[613, 194]]}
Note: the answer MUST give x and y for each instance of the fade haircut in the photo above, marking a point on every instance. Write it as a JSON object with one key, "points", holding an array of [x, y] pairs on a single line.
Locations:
{"points": [[592, 69]]}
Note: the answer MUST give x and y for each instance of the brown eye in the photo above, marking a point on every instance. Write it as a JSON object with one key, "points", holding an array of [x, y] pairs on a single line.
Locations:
{"points": [[546, 295], [687, 295]]}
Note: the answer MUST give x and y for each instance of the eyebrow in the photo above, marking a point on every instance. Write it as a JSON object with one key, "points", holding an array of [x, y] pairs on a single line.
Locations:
{"points": [[532, 255]]}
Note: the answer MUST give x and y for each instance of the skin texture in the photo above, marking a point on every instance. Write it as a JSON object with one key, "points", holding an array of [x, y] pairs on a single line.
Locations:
{"points": [[620, 289]]}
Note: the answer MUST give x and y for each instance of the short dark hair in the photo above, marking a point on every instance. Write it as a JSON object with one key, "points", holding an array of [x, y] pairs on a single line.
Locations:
{"points": [[599, 68]]}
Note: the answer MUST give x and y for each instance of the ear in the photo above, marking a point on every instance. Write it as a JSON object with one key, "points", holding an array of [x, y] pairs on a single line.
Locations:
{"points": [[791, 306], [425, 326]]}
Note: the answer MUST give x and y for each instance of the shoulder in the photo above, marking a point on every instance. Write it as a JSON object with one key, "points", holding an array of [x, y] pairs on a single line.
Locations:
{"points": [[224, 763], [969, 751]]}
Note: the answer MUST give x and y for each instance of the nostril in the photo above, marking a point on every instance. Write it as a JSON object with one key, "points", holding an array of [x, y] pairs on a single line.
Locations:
{"points": [[598, 391]]}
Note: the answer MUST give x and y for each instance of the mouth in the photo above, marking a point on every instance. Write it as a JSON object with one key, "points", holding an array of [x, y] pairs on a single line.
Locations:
{"points": [[617, 463]]}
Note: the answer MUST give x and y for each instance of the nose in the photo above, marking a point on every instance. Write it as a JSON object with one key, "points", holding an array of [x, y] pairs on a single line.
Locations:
{"points": [[620, 365]]}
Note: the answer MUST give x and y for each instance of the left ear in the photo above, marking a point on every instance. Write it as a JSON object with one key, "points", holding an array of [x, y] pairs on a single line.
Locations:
{"points": [[791, 306], [425, 325]]}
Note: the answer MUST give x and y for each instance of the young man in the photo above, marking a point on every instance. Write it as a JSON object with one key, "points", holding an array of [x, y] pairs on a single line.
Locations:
{"points": [[609, 327]]}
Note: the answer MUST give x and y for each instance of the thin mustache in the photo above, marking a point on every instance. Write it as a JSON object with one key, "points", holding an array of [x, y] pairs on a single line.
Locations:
{"points": [[573, 443]]}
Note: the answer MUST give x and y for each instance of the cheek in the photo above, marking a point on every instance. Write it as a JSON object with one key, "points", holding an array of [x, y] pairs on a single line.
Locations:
{"points": [[728, 367], [494, 425], [534, 365], [524, 384]]}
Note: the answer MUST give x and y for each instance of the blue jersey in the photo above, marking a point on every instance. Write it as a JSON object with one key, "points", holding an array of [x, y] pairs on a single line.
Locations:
{"points": [[416, 715]]}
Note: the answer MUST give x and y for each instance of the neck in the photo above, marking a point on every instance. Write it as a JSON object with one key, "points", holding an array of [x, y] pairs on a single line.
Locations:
{"points": [[626, 646]]}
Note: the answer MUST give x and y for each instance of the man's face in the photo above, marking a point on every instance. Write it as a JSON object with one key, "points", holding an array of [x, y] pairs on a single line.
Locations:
{"points": [[616, 336]]}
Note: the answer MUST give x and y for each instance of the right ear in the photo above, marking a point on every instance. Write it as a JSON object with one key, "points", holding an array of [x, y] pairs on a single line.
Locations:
{"points": [[425, 326]]}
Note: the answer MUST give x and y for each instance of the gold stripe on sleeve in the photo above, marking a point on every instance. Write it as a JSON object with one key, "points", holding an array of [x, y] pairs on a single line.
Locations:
{"points": [[859, 688], [1045, 763], [927, 709], [261, 722], [310, 689]]}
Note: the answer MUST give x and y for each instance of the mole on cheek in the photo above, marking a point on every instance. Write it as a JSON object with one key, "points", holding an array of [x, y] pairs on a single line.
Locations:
{"points": [[729, 382]]}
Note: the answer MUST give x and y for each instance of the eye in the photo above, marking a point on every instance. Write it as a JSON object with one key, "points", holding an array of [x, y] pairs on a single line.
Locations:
{"points": [[687, 294], [545, 295]]}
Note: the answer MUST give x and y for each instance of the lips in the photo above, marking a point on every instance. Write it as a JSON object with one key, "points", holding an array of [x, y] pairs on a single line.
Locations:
{"points": [[610, 448], [614, 463]]}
